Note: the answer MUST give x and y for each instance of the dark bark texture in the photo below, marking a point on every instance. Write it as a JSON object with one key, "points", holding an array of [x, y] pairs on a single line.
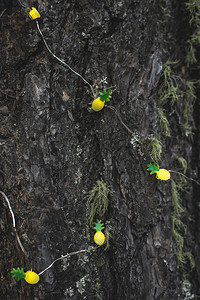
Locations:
{"points": [[53, 149]]}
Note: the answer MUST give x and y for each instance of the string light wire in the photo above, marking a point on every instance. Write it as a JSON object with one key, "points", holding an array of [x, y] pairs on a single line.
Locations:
{"points": [[14, 223], [61, 61], [65, 256], [56, 57], [189, 178]]}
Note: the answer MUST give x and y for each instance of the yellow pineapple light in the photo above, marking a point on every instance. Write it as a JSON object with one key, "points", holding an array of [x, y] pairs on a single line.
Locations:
{"points": [[34, 14], [98, 104], [161, 174], [99, 237], [30, 276]]}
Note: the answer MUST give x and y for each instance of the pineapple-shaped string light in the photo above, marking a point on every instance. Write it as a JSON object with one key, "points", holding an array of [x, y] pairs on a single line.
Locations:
{"points": [[33, 13], [161, 174], [33, 278], [30, 276], [99, 237], [98, 103]]}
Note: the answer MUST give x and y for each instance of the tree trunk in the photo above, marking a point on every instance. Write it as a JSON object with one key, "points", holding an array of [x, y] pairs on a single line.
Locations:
{"points": [[54, 148]]}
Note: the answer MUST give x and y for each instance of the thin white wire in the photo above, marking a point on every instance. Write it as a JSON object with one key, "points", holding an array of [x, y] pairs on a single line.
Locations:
{"points": [[69, 254], [20, 243], [10, 208], [60, 60], [14, 223]]}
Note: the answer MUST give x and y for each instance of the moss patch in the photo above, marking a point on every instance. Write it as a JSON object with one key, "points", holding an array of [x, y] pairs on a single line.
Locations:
{"points": [[168, 93], [164, 124], [189, 101], [179, 229], [154, 149], [183, 163], [193, 7], [169, 89], [97, 200], [108, 234]]}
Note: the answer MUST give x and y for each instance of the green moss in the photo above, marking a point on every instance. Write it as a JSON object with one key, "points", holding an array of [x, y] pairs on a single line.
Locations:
{"points": [[179, 229], [191, 54], [181, 183], [189, 101], [190, 258], [193, 7], [190, 92], [164, 124], [169, 89], [183, 163], [178, 210], [178, 245], [168, 93], [98, 296], [97, 289], [107, 231], [97, 200], [154, 149], [166, 14]]}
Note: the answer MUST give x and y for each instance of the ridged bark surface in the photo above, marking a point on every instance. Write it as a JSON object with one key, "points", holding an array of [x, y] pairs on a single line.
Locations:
{"points": [[53, 149]]}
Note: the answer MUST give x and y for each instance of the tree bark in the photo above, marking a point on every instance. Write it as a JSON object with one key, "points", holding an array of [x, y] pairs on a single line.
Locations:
{"points": [[54, 148]]}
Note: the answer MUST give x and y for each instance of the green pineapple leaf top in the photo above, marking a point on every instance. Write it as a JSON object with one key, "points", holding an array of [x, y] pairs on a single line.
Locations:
{"points": [[98, 226], [19, 274], [105, 96], [153, 168]]}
